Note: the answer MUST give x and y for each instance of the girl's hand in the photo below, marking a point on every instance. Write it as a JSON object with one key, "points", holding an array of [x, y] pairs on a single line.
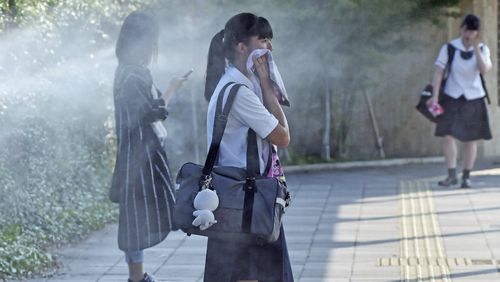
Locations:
{"points": [[476, 41], [262, 67], [434, 99], [175, 84]]}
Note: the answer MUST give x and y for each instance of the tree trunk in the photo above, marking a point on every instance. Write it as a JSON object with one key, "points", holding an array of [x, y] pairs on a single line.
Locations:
{"points": [[378, 138], [326, 133], [12, 13], [12, 8]]}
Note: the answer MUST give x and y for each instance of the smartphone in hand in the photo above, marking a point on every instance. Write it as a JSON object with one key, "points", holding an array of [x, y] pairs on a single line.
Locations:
{"points": [[188, 74]]}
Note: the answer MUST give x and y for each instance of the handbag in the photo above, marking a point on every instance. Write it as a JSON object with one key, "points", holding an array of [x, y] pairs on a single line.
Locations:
{"points": [[426, 93], [251, 206]]}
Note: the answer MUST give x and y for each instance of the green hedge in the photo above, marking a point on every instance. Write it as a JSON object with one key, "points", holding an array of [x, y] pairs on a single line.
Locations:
{"points": [[55, 169], [56, 138]]}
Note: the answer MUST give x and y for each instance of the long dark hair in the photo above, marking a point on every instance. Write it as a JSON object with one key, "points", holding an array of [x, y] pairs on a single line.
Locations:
{"points": [[138, 39], [238, 29]]}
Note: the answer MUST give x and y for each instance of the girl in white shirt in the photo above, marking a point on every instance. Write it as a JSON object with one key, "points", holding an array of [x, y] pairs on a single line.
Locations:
{"points": [[465, 116], [228, 261]]}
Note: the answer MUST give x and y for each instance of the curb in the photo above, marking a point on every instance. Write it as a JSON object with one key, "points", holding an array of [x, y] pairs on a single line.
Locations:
{"points": [[294, 169]]}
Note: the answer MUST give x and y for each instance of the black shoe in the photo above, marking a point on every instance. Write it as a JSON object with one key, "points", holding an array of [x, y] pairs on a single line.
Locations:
{"points": [[448, 182], [466, 183], [147, 278]]}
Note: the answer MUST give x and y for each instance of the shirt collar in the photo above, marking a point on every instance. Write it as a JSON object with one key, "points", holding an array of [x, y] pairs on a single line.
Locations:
{"points": [[238, 77], [457, 42]]}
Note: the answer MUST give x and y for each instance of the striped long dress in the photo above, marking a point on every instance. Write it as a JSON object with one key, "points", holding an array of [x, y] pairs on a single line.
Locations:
{"points": [[141, 179]]}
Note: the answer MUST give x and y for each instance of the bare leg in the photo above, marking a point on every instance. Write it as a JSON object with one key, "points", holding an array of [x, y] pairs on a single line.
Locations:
{"points": [[470, 153], [136, 271], [450, 151], [450, 154]]}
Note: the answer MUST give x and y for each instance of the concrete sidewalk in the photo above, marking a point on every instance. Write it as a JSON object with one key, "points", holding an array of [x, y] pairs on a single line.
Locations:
{"points": [[377, 224]]}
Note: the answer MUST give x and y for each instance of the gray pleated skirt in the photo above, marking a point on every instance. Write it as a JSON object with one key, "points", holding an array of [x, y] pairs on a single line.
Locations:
{"points": [[228, 261], [465, 120]]}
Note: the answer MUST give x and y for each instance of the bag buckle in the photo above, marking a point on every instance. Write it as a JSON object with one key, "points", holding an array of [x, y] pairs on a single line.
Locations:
{"points": [[250, 183]]}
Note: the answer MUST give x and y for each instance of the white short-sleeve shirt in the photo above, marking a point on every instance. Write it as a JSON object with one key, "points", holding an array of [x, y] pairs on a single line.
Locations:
{"points": [[247, 111], [464, 75]]}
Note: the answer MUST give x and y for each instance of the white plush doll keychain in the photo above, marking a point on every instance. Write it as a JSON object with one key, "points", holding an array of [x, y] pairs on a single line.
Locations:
{"points": [[205, 202]]}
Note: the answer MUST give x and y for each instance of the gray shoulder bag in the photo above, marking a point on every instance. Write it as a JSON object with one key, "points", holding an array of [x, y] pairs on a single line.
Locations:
{"points": [[250, 205]]}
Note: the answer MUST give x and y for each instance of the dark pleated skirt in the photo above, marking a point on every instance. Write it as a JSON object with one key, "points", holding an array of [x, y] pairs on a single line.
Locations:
{"points": [[466, 120], [228, 261]]}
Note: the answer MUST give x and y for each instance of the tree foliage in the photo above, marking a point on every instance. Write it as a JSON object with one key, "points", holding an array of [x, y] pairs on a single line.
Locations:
{"points": [[347, 42]]}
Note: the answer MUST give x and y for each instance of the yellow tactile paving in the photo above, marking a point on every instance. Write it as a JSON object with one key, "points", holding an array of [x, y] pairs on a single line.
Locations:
{"points": [[421, 242]]}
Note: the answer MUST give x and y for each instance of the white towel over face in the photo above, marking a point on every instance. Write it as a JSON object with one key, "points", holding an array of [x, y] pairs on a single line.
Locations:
{"points": [[274, 74]]}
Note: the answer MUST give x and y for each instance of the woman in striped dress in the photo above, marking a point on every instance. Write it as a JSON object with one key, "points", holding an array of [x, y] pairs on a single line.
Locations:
{"points": [[141, 183]]}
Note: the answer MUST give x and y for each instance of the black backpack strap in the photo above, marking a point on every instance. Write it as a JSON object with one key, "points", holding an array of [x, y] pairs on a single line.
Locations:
{"points": [[447, 69], [451, 54], [487, 96], [220, 122], [483, 83]]}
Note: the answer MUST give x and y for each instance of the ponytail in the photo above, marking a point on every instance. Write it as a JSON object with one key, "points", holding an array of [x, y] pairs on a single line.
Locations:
{"points": [[216, 64], [238, 28]]}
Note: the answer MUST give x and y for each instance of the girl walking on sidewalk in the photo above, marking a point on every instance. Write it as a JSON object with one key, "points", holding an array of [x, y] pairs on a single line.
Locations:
{"points": [[465, 116]]}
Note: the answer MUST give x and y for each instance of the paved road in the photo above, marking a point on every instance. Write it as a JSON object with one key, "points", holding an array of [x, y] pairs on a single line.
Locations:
{"points": [[380, 224]]}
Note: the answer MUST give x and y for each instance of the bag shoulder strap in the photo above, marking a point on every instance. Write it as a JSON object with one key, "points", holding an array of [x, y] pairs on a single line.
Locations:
{"points": [[451, 54], [253, 159], [220, 122], [483, 83]]}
